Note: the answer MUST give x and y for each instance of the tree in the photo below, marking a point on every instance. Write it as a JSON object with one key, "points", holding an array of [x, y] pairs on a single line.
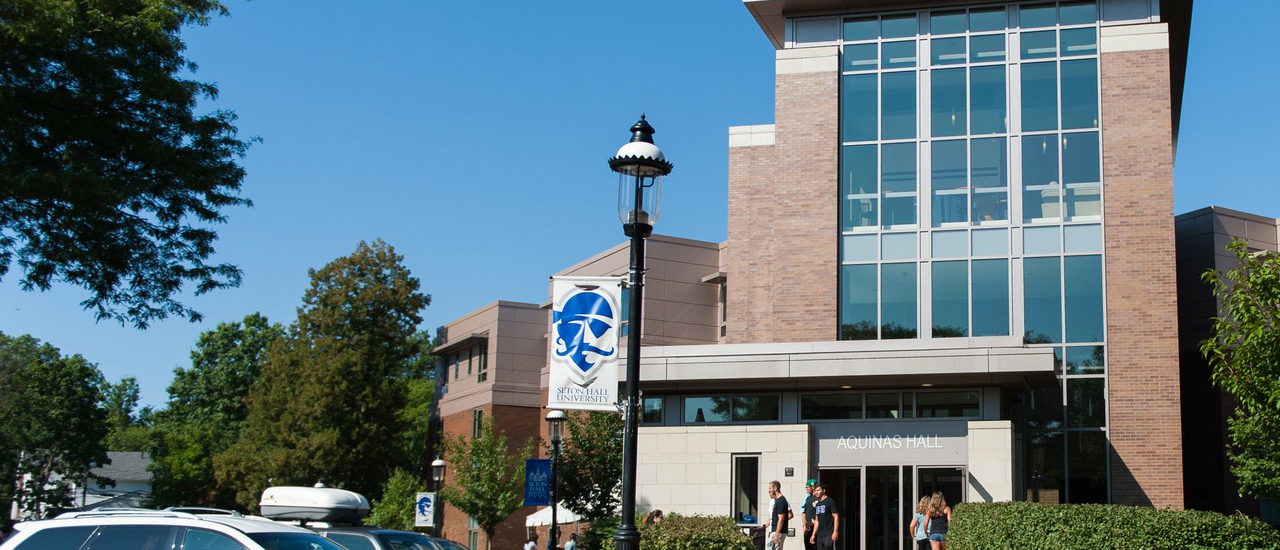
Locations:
{"points": [[326, 408], [125, 428], [395, 510], [488, 476], [1244, 357], [206, 411], [111, 180], [54, 424], [418, 435], [591, 465]]}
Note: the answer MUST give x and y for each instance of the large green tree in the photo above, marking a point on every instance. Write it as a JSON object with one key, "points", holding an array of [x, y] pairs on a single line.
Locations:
{"points": [[488, 476], [111, 180], [127, 428], [397, 507], [327, 406], [54, 424], [206, 411], [590, 469], [1244, 355]]}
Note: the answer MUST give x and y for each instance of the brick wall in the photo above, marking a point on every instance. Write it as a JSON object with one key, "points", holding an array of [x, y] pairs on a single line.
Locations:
{"points": [[519, 424], [1146, 458], [783, 223]]}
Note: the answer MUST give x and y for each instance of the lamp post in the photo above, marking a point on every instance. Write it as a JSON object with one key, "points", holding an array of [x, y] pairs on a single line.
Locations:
{"points": [[437, 475], [640, 166], [555, 425]]}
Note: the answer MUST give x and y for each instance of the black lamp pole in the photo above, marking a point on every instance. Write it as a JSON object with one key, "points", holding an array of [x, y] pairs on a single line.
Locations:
{"points": [[555, 421], [437, 475], [642, 164]]}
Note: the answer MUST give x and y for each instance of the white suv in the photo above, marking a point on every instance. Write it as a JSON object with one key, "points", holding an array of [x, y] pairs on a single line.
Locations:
{"points": [[161, 530]]}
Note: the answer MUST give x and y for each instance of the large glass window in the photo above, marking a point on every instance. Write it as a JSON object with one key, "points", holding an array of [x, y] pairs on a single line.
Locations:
{"points": [[701, 410], [1082, 176], [950, 183], [731, 408], [831, 406], [1039, 96], [1040, 188], [859, 187], [1084, 305], [898, 105], [746, 488], [884, 405], [949, 106], [987, 94], [1080, 93], [953, 404], [652, 411], [950, 299], [898, 172], [858, 291], [898, 311], [858, 109], [989, 179], [1042, 295], [990, 297]]}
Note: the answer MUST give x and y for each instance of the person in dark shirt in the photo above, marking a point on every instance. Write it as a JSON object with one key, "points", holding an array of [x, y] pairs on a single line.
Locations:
{"points": [[779, 517], [826, 520], [806, 509]]}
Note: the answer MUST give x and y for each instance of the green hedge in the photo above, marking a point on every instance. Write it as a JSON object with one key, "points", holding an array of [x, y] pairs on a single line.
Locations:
{"points": [[1099, 526], [677, 532]]}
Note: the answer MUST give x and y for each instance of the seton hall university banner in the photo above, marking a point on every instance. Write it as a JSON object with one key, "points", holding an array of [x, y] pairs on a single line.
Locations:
{"points": [[586, 318]]}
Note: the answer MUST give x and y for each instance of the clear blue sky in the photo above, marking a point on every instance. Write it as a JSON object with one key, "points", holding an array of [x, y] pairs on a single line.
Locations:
{"points": [[473, 138]]}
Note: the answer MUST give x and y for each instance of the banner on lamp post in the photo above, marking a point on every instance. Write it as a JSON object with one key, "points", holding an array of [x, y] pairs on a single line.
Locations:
{"points": [[424, 506], [586, 321], [537, 482]]}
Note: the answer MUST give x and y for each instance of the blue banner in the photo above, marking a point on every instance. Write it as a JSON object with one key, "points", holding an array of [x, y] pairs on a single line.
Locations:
{"points": [[537, 482]]}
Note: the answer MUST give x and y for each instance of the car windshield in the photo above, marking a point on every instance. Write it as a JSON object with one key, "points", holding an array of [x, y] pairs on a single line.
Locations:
{"points": [[293, 541], [406, 541]]}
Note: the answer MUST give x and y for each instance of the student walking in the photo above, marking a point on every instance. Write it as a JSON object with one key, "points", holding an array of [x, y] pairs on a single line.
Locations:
{"points": [[918, 520], [826, 520], [939, 517]]}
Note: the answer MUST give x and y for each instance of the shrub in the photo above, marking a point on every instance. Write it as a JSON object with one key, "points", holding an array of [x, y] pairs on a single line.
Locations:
{"points": [[1097, 526], [677, 532]]}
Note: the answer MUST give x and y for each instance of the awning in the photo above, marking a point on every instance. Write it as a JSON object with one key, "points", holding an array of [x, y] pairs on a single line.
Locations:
{"points": [[543, 517]]}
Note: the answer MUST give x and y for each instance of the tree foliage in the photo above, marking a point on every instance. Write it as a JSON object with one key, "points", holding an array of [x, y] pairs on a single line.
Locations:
{"points": [[415, 442], [1244, 355], [111, 179], [206, 411], [127, 428], [326, 408], [54, 424], [395, 510], [488, 476], [590, 469]]}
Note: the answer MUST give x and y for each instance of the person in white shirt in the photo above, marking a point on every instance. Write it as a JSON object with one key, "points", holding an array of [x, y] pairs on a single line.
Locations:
{"points": [[573, 542], [533, 542]]}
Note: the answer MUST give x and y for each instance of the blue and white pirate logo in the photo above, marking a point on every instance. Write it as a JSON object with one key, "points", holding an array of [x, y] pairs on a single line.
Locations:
{"points": [[585, 331], [424, 506]]}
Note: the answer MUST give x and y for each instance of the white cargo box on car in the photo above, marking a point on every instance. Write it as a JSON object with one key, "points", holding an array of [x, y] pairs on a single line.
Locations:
{"points": [[313, 504]]}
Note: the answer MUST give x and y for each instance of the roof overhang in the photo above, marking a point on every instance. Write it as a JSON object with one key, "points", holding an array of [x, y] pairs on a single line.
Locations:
{"points": [[461, 343]]}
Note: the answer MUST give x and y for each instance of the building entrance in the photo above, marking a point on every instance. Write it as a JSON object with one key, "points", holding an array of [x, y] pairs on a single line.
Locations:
{"points": [[876, 502]]}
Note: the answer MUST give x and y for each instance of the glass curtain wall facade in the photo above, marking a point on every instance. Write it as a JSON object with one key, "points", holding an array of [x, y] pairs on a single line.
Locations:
{"points": [[970, 166]]}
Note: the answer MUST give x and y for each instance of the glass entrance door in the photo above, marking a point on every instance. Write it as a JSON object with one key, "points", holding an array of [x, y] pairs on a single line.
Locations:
{"points": [[948, 480], [845, 488], [884, 505], [876, 503]]}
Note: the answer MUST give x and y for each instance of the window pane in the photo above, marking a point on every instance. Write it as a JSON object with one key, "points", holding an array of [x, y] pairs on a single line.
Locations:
{"points": [[1079, 13], [861, 248], [898, 314], [986, 48], [652, 411], [946, 404], [57, 538], [1040, 178], [350, 542], [1080, 93], [987, 93], [1086, 360], [899, 246], [991, 242], [899, 26], [1086, 402], [947, 22], [755, 408], [1042, 311], [859, 108], [1046, 479], [858, 302], [1042, 240], [1087, 455], [950, 182], [898, 55], [993, 19], [746, 488], [1037, 16], [706, 409], [989, 179], [883, 405], [808, 31], [1039, 96], [200, 539], [1083, 238], [950, 299], [1079, 42], [1084, 298], [132, 537], [861, 29], [947, 51], [898, 174], [1080, 158], [1039, 45], [831, 406], [858, 179], [860, 57], [899, 105], [991, 297], [948, 99], [950, 244], [1044, 408]]}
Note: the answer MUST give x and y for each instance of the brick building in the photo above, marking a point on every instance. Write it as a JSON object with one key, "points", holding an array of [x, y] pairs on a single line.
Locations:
{"points": [[949, 267]]}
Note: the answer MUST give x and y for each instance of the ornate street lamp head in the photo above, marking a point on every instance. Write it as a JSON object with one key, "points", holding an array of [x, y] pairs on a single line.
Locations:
{"points": [[640, 166]]}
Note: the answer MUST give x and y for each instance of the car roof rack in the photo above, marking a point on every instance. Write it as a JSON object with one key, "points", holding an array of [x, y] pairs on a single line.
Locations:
{"points": [[204, 510], [133, 512]]}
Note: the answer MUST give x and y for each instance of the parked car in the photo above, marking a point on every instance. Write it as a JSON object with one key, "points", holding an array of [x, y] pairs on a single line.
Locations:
{"points": [[161, 530], [373, 538]]}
